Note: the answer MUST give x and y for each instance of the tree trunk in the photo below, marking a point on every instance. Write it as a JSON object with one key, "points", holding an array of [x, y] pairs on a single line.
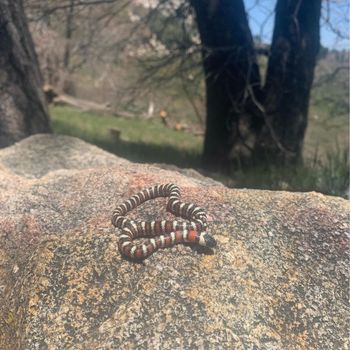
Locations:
{"points": [[295, 44], [244, 121], [68, 35], [231, 76], [23, 109]]}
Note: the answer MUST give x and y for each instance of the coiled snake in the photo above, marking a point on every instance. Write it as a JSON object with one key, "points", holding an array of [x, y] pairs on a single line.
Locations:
{"points": [[164, 233]]}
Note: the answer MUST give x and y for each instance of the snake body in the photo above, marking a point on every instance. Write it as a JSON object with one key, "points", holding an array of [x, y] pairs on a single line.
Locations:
{"points": [[163, 233]]}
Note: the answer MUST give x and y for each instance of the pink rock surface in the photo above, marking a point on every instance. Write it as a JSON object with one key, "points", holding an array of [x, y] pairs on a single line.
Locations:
{"points": [[278, 279]]}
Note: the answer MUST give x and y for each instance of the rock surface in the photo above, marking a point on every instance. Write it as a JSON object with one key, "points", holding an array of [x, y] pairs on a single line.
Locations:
{"points": [[278, 279]]}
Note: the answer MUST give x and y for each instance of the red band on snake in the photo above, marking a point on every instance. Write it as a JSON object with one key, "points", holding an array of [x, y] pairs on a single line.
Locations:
{"points": [[164, 233]]}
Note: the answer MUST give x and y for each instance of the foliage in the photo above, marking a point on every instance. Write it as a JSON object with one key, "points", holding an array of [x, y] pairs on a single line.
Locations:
{"points": [[329, 176]]}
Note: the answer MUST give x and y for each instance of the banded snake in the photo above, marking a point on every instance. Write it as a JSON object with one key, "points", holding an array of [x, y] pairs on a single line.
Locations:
{"points": [[162, 233]]}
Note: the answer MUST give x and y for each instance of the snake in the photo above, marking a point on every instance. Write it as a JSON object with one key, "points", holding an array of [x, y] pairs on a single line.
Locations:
{"points": [[160, 234]]}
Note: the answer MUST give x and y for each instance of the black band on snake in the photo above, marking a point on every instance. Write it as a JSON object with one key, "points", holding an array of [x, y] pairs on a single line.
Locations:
{"points": [[164, 233]]}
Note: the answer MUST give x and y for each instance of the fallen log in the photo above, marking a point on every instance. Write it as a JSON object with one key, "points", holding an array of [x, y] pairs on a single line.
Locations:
{"points": [[87, 106]]}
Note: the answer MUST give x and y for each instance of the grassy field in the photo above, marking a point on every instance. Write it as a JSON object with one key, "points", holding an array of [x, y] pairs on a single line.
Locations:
{"points": [[141, 141], [326, 167]]}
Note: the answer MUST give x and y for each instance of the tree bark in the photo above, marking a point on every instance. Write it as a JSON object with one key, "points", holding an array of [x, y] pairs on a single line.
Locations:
{"points": [[23, 109], [295, 45], [231, 76]]}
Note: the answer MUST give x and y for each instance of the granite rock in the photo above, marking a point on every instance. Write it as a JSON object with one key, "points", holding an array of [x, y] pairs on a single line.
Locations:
{"points": [[277, 280]]}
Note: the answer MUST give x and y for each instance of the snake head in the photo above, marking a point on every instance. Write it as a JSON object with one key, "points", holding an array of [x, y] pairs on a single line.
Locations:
{"points": [[207, 240]]}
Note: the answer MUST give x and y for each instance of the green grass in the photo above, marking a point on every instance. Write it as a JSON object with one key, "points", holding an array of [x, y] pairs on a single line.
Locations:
{"points": [[325, 171], [140, 141], [329, 176]]}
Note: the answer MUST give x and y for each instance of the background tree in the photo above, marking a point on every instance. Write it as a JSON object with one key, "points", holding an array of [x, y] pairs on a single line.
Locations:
{"points": [[73, 35], [246, 121], [290, 73], [232, 78], [23, 109]]}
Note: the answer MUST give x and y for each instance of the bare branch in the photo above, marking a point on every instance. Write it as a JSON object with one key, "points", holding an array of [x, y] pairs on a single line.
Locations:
{"points": [[329, 77]]}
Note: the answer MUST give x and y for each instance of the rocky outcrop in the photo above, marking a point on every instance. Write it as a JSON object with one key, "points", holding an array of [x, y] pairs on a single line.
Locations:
{"points": [[277, 280]]}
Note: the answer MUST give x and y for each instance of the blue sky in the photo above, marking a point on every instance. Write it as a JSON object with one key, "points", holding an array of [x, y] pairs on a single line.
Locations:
{"points": [[261, 19]]}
